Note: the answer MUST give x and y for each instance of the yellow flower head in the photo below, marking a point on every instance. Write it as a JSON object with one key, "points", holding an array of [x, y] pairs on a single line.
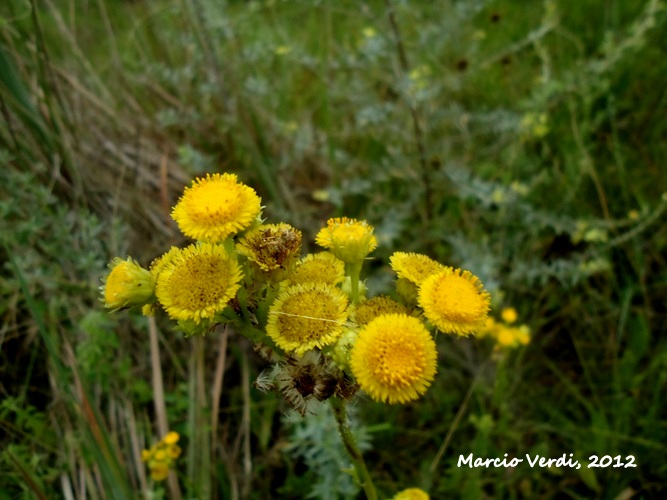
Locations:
{"points": [[509, 315], [322, 267], [197, 282], [162, 456], [127, 285], [412, 494], [348, 239], [377, 306], [523, 335], [394, 358], [171, 438], [159, 471], [307, 316], [505, 336], [161, 262], [414, 267], [216, 207], [272, 248], [454, 301]]}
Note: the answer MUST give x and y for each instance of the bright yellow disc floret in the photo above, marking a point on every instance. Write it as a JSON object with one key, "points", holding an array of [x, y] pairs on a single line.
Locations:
{"points": [[216, 207], [454, 301], [307, 316], [197, 282], [394, 358]]}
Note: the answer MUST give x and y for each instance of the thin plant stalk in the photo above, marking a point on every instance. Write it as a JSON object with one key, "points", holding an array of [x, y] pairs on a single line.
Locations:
{"points": [[158, 399], [350, 443], [354, 272]]}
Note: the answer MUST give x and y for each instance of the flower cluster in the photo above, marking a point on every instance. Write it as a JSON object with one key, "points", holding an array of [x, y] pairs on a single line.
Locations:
{"points": [[162, 456], [308, 314], [504, 332]]}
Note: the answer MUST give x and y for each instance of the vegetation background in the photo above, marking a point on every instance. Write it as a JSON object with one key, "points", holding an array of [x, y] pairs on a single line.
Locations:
{"points": [[524, 141]]}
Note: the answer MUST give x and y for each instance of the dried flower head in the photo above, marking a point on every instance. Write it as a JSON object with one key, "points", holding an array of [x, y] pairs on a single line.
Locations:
{"points": [[272, 249], [304, 382]]}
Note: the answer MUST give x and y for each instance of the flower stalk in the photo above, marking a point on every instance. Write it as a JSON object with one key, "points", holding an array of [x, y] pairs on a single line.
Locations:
{"points": [[350, 443]]}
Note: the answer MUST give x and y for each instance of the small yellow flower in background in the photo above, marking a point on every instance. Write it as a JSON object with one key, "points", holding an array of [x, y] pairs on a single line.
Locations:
{"points": [[419, 77], [534, 125], [509, 315], [412, 494], [370, 309], [197, 282], [307, 316], [394, 358], [523, 334], [633, 214], [171, 438], [216, 207], [322, 267], [504, 334], [162, 456], [455, 301], [349, 240], [273, 248], [127, 285], [282, 50], [414, 267], [519, 188], [369, 32]]}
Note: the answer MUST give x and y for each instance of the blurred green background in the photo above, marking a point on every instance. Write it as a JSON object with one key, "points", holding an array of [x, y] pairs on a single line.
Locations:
{"points": [[524, 141]]}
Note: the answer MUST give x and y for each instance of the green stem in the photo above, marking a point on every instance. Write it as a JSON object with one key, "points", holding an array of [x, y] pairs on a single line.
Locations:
{"points": [[351, 447], [354, 271]]}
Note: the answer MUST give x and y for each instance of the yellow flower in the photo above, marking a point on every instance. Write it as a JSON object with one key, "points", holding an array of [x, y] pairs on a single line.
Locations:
{"points": [[307, 316], [523, 335], [377, 306], [454, 301], [159, 471], [412, 494], [414, 267], [273, 248], [161, 262], [173, 451], [322, 267], [505, 336], [509, 315], [127, 285], [216, 207], [171, 438], [348, 239], [394, 358], [197, 282]]}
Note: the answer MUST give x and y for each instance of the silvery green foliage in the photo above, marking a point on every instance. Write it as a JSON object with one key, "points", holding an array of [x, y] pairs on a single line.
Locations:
{"points": [[315, 440]]}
